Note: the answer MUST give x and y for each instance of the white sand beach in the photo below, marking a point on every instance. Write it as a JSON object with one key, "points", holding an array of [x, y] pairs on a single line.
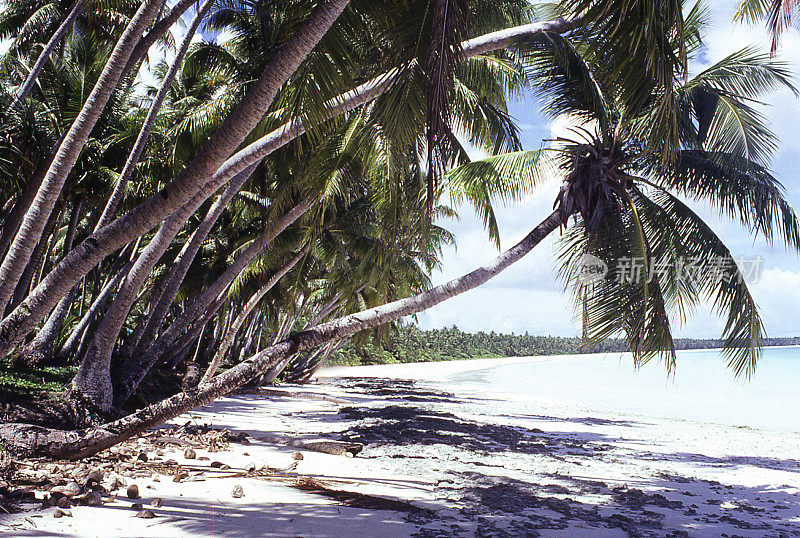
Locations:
{"points": [[463, 457]]}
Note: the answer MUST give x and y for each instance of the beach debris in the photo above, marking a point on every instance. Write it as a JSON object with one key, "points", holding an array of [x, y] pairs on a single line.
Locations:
{"points": [[58, 513], [237, 492], [250, 467], [156, 502], [146, 514], [132, 492], [137, 506], [179, 475], [63, 502], [216, 464], [189, 454], [71, 489], [142, 456], [93, 477], [326, 446], [297, 456], [224, 467], [93, 498]]}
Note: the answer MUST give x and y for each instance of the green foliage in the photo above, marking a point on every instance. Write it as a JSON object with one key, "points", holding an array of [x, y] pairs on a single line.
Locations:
{"points": [[49, 378], [410, 344]]}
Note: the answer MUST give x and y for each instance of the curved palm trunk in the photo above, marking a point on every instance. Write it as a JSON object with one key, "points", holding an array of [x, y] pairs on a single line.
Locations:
{"points": [[74, 338], [24, 283], [26, 87], [136, 368], [93, 379], [230, 334], [21, 205], [171, 198], [31, 440], [42, 345], [30, 230], [166, 293], [149, 121]]}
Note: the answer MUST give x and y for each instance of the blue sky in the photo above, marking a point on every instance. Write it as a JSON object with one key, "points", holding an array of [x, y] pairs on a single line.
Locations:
{"points": [[528, 296]]}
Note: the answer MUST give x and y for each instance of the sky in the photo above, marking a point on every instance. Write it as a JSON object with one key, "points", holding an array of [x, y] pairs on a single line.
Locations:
{"points": [[529, 297]]}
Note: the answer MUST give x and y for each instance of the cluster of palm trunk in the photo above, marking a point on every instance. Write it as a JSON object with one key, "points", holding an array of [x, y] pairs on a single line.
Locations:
{"points": [[240, 207]]}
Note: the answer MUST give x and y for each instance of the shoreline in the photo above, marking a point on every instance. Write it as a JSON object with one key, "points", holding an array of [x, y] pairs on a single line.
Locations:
{"points": [[441, 459]]}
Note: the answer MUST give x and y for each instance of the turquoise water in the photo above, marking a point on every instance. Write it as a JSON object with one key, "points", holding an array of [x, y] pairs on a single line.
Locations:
{"points": [[702, 389]]}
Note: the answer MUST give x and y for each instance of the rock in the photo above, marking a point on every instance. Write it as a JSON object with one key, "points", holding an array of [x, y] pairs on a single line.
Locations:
{"points": [[237, 492], [251, 467], [297, 456], [132, 492], [156, 502], [58, 513], [203, 458], [189, 454], [224, 467], [146, 514], [159, 452], [63, 502], [142, 456], [136, 506], [216, 464], [93, 498], [156, 479]]}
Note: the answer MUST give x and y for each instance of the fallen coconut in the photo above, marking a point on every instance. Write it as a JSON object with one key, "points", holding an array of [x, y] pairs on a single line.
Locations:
{"points": [[132, 491]]}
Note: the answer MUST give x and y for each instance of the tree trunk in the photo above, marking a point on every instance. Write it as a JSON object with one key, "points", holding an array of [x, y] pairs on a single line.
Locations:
{"points": [[138, 366], [227, 340], [171, 198], [44, 56], [75, 336], [21, 205], [42, 346], [23, 286], [93, 379], [32, 225], [144, 133], [165, 294], [27, 440]]}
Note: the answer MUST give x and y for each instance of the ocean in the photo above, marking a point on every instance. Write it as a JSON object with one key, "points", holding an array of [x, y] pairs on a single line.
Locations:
{"points": [[701, 389]]}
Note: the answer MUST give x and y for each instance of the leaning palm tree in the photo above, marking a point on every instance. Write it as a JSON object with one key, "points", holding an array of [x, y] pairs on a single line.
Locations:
{"points": [[622, 204]]}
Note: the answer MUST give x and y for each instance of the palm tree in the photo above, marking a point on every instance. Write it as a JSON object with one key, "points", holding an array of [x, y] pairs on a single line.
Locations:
{"points": [[620, 201], [776, 13]]}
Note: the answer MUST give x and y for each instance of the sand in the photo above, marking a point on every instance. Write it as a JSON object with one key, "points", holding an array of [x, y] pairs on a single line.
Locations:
{"points": [[462, 463]]}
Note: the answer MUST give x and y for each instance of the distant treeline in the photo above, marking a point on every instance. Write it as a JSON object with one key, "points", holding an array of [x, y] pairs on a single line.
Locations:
{"points": [[411, 344]]}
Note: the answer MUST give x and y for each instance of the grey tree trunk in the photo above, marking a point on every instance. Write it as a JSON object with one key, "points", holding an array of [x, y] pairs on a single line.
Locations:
{"points": [[230, 334], [30, 230], [42, 345], [138, 366], [71, 344], [26, 87], [165, 294], [23, 285], [27, 440], [172, 197], [21, 205]]}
